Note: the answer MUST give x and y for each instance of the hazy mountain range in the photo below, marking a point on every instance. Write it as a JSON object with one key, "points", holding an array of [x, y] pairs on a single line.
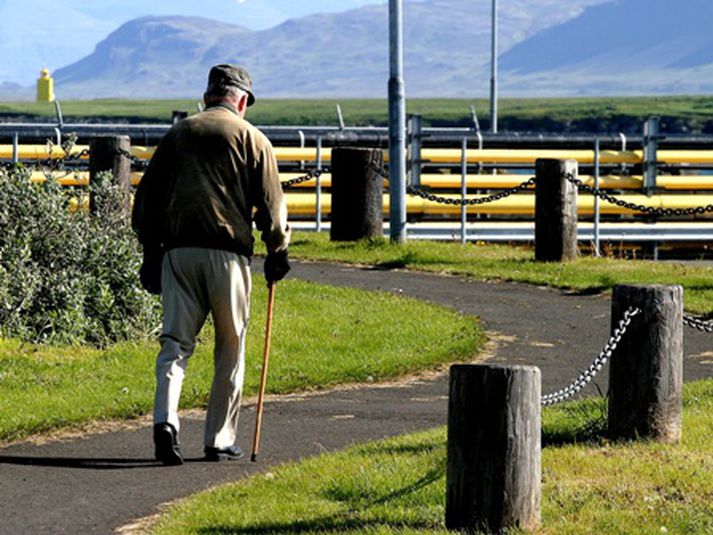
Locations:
{"points": [[548, 47], [55, 33], [626, 46]]}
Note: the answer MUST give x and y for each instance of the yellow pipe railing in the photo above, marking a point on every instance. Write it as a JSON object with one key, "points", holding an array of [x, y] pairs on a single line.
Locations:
{"points": [[301, 204], [495, 156], [440, 181], [75, 178], [42, 152]]}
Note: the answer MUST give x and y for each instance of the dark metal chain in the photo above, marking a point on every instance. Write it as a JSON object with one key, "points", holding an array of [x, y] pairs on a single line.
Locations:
{"points": [[697, 323], [380, 171], [70, 158], [586, 376], [311, 174], [412, 190], [649, 210], [141, 164], [469, 202], [49, 164]]}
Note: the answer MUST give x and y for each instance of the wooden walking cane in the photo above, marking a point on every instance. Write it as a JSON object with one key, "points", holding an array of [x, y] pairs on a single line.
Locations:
{"points": [[263, 377]]}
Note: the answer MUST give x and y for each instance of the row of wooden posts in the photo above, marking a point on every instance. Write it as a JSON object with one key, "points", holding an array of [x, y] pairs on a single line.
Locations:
{"points": [[358, 189], [493, 469], [494, 428]]}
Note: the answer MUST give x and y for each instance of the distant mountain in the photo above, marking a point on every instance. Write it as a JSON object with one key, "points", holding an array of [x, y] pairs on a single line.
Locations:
{"points": [[341, 55], [53, 33], [625, 46], [150, 56]]}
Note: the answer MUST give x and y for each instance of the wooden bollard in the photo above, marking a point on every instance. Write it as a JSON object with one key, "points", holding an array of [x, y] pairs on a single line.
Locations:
{"points": [[357, 194], [646, 370], [178, 115], [555, 211], [104, 155], [494, 450]]}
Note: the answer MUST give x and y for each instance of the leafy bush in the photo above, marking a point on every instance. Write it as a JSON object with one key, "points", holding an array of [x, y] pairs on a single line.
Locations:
{"points": [[68, 276]]}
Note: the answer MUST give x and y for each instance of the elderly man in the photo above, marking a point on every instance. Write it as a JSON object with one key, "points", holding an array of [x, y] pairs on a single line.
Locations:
{"points": [[211, 176]]}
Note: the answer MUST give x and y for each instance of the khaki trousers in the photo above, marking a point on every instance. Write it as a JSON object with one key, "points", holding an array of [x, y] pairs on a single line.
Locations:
{"points": [[194, 282]]}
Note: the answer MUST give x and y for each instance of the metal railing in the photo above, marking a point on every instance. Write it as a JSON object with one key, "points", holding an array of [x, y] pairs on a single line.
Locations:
{"points": [[426, 202]]}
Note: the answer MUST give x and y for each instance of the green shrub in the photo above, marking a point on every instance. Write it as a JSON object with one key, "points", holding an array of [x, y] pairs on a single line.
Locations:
{"points": [[69, 277]]}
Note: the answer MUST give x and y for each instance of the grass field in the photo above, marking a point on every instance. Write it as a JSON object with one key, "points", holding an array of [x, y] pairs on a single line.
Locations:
{"points": [[398, 485], [693, 112], [322, 336], [507, 263]]}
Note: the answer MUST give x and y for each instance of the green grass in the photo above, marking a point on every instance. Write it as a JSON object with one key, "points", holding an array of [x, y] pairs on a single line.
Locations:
{"points": [[541, 113], [506, 263], [322, 336], [398, 485]]}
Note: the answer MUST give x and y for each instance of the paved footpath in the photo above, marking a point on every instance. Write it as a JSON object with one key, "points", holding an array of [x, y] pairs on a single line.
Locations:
{"points": [[100, 482]]}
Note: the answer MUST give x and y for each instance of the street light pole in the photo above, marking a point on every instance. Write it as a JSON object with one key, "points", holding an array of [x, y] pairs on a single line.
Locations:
{"points": [[397, 125], [494, 71]]}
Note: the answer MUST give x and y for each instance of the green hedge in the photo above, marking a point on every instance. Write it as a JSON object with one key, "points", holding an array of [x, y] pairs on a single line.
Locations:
{"points": [[68, 277]]}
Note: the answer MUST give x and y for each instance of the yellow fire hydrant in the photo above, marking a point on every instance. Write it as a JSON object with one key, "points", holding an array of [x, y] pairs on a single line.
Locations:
{"points": [[45, 87]]}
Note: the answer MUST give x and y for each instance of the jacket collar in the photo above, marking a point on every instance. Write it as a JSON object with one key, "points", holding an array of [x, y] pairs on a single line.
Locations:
{"points": [[220, 105]]}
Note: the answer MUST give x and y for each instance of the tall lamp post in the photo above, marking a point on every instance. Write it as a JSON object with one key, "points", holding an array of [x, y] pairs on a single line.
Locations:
{"points": [[397, 125], [494, 71]]}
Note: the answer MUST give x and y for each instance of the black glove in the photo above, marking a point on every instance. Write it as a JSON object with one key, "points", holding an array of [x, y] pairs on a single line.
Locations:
{"points": [[276, 266], [150, 272]]}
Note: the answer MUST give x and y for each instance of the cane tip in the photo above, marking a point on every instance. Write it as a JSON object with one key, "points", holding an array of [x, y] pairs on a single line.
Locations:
{"points": [[253, 457]]}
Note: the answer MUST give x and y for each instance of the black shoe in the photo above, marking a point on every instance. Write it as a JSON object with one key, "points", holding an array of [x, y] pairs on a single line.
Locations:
{"points": [[168, 450], [231, 453]]}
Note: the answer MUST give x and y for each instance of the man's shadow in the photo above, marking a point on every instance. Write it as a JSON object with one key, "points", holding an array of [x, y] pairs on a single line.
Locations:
{"points": [[87, 463]]}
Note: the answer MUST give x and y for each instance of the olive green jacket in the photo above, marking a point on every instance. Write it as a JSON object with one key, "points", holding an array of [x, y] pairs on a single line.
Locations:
{"points": [[211, 176]]}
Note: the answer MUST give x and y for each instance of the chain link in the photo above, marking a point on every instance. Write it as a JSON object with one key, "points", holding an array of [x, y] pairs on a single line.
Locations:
{"points": [[586, 376], [612, 199], [470, 202], [380, 171], [697, 323], [135, 160], [649, 210], [418, 192], [311, 174], [50, 165]]}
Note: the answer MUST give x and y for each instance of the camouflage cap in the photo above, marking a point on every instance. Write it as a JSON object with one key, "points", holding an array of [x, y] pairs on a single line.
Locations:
{"points": [[226, 75]]}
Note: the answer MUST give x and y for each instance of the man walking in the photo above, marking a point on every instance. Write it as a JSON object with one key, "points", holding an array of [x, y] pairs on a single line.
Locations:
{"points": [[210, 177]]}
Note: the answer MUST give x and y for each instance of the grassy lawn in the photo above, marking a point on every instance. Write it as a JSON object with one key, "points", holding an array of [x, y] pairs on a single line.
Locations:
{"points": [[398, 485], [322, 336], [695, 110], [506, 263]]}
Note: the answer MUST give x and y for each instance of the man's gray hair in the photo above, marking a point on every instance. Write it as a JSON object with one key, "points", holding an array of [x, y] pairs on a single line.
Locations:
{"points": [[222, 90]]}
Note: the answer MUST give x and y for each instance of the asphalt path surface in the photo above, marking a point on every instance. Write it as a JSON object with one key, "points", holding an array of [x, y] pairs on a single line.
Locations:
{"points": [[102, 481]]}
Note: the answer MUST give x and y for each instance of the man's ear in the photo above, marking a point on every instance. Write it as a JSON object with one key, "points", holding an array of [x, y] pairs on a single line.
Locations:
{"points": [[243, 104]]}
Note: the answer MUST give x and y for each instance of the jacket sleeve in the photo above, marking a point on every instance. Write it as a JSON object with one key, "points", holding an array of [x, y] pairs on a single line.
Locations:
{"points": [[151, 198], [269, 201]]}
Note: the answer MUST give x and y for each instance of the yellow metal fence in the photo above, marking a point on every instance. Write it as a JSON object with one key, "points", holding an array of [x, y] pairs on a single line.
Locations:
{"points": [[304, 204]]}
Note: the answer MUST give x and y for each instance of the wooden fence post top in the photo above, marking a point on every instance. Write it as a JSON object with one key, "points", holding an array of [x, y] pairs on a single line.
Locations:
{"points": [[514, 367], [644, 296], [643, 288], [105, 135], [355, 149], [554, 161]]}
